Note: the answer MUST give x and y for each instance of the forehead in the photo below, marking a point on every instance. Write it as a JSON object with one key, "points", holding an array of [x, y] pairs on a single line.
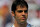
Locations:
{"points": [[21, 8]]}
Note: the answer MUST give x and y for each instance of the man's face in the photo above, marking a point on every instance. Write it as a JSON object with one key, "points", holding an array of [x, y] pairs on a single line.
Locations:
{"points": [[3, 11], [21, 14]]}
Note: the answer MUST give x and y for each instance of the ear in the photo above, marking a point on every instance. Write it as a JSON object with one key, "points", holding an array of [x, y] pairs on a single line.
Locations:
{"points": [[12, 13]]}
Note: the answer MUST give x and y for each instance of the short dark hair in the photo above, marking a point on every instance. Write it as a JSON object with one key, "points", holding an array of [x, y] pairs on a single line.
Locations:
{"points": [[18, 2]]}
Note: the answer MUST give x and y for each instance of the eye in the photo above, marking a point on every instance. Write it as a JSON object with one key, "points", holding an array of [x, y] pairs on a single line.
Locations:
{"points": [[19, 11], [26, 11]]}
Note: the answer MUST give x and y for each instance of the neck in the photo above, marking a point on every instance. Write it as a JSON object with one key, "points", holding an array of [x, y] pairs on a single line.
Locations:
{"points": [[19, 25]]}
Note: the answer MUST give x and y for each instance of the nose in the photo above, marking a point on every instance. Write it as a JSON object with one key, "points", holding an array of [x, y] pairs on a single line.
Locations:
{"points": [[23, 13]]}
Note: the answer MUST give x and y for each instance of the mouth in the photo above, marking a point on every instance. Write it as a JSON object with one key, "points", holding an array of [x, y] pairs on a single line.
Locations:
{"points": [[23, 18]]}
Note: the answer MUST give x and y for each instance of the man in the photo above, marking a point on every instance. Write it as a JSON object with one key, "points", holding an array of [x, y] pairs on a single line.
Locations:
{"points": [[20, 13]]}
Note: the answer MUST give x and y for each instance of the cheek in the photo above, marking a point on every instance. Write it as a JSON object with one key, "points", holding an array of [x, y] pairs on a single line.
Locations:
{"points": [[26, 14], [18, 14]]}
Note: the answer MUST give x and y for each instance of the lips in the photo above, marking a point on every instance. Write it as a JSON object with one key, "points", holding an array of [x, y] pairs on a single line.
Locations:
{"points": [[23, 18]]}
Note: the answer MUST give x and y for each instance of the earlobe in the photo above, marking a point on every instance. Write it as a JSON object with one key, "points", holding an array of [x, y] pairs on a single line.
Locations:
{"points": [[12, 13]]}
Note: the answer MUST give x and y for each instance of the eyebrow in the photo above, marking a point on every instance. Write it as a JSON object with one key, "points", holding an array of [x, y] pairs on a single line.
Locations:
{"points": [[22, 10]]}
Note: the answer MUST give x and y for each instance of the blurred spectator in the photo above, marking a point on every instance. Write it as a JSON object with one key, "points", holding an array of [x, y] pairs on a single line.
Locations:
{"points": [[38, 12], [5, 15], [32, 18], [37, 2], [30, 1]]}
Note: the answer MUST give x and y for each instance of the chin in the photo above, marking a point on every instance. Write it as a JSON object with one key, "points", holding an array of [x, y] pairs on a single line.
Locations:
{"points": [[22, 22]]}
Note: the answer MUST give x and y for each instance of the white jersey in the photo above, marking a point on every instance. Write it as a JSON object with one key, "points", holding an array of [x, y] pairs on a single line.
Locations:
{"points": [[12, 25], [28, 25]]}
